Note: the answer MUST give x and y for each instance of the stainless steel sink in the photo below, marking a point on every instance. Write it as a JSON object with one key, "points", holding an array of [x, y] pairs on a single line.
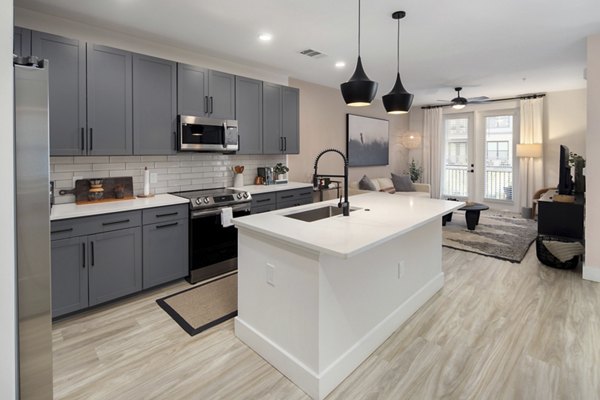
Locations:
{"points": [[318, 213]]}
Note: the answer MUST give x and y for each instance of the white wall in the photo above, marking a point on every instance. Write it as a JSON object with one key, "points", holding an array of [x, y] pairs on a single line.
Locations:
{"points": [[72, 29], [7, 228], [591, 269], [564, 123]]}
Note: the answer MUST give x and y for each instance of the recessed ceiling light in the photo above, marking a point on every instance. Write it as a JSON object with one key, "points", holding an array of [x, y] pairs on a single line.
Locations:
{"points": [[340, 64], [265, 37]]}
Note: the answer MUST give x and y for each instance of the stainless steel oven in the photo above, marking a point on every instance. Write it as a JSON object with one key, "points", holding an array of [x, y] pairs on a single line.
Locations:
{"points": [[207, 134], [213, 245]]}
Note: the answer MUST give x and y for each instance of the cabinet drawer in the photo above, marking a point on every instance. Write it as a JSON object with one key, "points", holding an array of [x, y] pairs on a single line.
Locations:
{"points": [[115, 221], [265, 208], [289, 195], [163, 214], [68, 228], [263, 199], [298, 201]]}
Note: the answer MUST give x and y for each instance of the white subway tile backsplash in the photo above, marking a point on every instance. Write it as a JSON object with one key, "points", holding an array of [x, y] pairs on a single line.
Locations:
{"points": [[185, 171]]}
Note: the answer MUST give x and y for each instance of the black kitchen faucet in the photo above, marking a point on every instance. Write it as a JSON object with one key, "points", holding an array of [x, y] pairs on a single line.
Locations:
{"points": [[345, 205]]}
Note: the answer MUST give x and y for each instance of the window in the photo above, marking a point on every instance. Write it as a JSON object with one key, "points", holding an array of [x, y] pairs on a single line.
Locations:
{"points": [[497, 152]]}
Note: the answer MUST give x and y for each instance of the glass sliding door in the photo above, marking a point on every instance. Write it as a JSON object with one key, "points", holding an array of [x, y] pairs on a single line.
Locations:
{"points": [[457, 170], [498, 166]]}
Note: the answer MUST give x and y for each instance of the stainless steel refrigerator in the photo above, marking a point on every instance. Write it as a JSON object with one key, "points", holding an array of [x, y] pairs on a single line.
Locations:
{"points": [[33, 230]]}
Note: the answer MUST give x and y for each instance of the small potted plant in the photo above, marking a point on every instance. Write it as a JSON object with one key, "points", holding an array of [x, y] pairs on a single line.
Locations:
{"points": [[414, 171], [280, 170]]}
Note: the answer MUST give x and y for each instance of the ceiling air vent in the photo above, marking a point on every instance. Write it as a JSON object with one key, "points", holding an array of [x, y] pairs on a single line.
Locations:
{"points": [[313, 53]]}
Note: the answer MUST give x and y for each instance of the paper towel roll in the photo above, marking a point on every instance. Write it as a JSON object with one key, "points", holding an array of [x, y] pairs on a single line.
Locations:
{"points": [[146, 181]]}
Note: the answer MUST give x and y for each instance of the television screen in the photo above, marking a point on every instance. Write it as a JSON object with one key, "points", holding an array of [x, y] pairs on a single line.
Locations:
{"points": [[565, 180]]}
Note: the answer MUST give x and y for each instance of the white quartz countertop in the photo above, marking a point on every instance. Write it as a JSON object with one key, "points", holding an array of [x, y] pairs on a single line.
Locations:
{"points": [[72, 210], [381, 217], [257, 189]]}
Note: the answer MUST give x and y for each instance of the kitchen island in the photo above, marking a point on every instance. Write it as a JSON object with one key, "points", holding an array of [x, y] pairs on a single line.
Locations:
{"points": [[315, 299]]}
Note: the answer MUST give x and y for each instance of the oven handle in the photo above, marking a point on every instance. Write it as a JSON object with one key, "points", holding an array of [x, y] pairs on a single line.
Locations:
{"points": [[217, 211]]}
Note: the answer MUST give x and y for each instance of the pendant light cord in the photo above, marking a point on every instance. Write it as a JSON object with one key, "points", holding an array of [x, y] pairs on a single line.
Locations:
{"points": [[359, 28], [398, 49]]}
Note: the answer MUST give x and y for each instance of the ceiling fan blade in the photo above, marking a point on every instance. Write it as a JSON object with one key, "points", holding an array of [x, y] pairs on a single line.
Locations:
{"points": [[477, 99]]}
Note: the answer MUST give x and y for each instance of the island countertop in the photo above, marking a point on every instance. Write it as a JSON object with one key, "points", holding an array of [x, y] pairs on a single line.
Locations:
{"points": [[380, 217]]}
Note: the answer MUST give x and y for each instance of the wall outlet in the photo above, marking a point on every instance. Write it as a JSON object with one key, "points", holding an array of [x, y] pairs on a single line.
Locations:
{"points": [[270, 272], [153, 177], [76, 178], [401, 269]]}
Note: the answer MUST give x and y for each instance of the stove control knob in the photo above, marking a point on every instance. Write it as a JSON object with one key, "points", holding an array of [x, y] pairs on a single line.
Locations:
{"points": [[239, 196], [206, 200], [198, 200], [245, 195]]}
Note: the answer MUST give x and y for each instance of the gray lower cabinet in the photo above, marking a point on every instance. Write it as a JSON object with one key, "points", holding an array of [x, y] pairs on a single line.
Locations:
{"points": [[109, 101], [205, 93], [165, 252], [115, 260], [69, 275], [67, 91], [280, 119], [248, 113], [277, 200], [154, 105], [21, 42]]}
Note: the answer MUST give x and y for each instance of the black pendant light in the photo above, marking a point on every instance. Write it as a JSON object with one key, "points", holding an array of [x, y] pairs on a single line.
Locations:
{"points": [[398, 101], [359, 91]]}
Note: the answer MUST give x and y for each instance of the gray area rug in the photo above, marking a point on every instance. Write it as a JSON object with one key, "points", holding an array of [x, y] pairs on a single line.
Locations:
{"points": [[499, 236]]}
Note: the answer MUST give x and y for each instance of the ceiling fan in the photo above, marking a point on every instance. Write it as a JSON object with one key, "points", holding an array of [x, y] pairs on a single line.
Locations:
{"points": [[460, 102]]}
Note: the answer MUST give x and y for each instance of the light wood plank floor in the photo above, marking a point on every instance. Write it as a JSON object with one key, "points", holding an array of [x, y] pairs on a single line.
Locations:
{"points": [[495, 331]]}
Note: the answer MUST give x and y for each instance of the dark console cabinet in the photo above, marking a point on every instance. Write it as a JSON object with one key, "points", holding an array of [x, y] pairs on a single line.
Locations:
{"points": [[561, 219]]}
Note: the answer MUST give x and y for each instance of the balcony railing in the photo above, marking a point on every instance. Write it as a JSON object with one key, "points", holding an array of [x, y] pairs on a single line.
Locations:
{"points": [[498, 182]]}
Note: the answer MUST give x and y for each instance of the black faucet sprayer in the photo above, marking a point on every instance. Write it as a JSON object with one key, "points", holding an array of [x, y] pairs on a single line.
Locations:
{"points": [[345, 205]]}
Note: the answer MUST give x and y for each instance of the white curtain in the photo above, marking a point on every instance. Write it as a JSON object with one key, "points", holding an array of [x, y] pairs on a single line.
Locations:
{"points": [[531, 170], [432, 150]]}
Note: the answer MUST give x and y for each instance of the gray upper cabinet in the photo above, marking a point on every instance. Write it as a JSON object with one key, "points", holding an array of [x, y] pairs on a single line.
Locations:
{"points": [[280, 119], [290, 120], [115, 260], [221, 95], [69, 275], [248, 112], [109, 101], [205, 93], [67, 91], [22, 42], [192, 90], [154, 105], [272, 139]]}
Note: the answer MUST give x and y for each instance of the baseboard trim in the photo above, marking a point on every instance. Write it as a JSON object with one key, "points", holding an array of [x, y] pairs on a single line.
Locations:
{"points": [[591, 273], [318, 386]]}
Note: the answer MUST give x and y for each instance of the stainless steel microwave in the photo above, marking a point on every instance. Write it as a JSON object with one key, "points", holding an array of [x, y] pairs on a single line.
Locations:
{"points": [[207, 134]]}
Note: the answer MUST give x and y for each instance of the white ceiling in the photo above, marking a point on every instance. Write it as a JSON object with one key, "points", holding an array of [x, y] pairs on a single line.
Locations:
{"points": [[491, 48]]}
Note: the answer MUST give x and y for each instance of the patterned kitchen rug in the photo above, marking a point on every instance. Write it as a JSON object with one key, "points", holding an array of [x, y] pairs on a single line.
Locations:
{"points": [[500, 236], [203, 306]]}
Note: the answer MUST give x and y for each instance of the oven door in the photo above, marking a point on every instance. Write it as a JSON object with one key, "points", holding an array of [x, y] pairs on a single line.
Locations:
{"points": [[213, 248]]}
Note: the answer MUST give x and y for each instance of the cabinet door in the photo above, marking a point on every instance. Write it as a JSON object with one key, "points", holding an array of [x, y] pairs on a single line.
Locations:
{"points": [[221, 92], [109, 101], [154, 105], [248, 112], [21, 42], [69, 275], [192, 90], [290, 121], [67, 91], [165, 252], [272, 139], [115, 260]]}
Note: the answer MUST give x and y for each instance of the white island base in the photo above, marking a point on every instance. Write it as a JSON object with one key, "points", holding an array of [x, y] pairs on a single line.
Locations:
{"points": [[317, 316]]}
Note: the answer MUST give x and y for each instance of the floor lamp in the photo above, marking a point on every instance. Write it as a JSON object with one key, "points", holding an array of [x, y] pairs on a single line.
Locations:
{"points": [[529, 151]]}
